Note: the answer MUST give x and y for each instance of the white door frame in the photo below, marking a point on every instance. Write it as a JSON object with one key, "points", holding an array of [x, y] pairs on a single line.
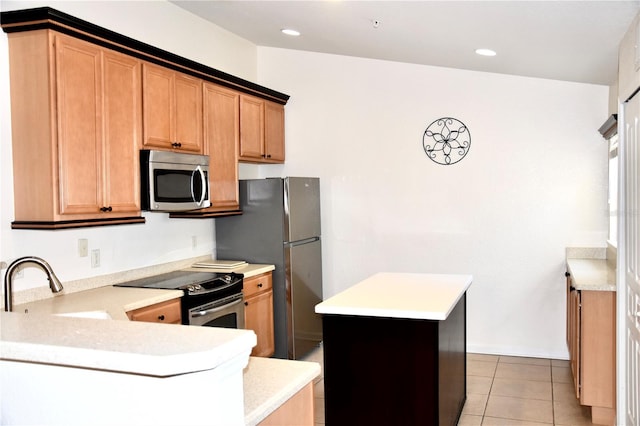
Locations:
{"points": [[628, 406]]}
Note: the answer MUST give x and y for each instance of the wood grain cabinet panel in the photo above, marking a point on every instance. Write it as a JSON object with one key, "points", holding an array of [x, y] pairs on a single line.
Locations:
{"points": [[221, 135], [123, 131], [274, 131], [299, 410], [261, 130], [591, 321], [165, 312], [87, 100], [79, 103], [258, 314], [172, 110]]}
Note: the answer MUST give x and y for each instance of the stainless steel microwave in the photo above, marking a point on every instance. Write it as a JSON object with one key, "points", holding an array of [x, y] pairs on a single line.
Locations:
{"points": [[173, 181]]}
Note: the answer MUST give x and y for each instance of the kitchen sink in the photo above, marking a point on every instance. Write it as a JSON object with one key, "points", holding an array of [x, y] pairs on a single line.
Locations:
{"points": [[87, 314]]}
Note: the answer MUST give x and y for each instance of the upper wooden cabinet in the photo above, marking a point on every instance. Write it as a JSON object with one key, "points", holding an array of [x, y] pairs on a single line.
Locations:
{"points": [[84, 103], [221, 107], [221, 134], [261, 130], [172, 110], [274, 131], [76, 119]]}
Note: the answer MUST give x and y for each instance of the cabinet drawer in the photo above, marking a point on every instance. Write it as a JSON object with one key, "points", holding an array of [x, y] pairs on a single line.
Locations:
{"points": [[165, 312], [257, 284]]}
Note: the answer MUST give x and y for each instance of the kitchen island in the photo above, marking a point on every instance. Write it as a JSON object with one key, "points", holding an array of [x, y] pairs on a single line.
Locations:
{"points": [[395, 350]]}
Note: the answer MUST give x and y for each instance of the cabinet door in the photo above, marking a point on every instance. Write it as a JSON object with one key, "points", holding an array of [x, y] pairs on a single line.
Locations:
{"points": [[274, 132], [158, 110], [164, 312], [259, 318], [122, 126], [188, 113], [221, 135], [575, 337], [172, 109], [597, 348], [251, 128], [79, 104]]}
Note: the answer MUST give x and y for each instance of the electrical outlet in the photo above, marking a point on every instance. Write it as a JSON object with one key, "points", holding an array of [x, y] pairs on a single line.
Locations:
{"points": [[83, 247], [3, 265], [95, 258]]}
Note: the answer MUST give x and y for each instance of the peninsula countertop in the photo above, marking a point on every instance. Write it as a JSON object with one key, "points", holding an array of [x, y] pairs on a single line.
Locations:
{"points": [[400, 295], [114, 301], [124, 346]]}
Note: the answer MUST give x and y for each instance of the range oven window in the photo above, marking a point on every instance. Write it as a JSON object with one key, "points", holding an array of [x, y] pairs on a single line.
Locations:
{"points": [[225, 321], [226, 312]]}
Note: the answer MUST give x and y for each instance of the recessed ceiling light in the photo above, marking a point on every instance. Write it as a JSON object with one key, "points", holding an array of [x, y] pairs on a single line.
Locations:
{"points": [[486, 52], [289, 31]]}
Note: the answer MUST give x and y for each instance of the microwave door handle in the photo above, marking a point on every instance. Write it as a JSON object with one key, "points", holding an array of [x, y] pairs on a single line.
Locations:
{"points": [[203, 185], [203, 180]]}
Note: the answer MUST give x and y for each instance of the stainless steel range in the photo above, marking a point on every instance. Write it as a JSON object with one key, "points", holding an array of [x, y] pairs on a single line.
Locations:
{"points": [[210, 299]]}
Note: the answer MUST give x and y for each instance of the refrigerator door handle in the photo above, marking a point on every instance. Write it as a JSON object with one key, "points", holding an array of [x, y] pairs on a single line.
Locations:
{"points": [[301, 242]]}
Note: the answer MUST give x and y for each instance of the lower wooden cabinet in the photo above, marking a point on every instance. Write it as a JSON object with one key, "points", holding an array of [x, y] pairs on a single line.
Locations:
{"points": [[591, 324], [297, 410], [258, 313], [164, 312]]}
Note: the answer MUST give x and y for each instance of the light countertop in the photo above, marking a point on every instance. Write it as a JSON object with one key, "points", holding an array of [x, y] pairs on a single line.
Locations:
{"points": [[116, 301], [592, 274], [124, 346], [270, 382], [400, 295], [160, 350]]}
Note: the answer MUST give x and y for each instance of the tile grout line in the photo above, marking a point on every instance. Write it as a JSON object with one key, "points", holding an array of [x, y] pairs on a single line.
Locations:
{"points": [[553, 405]]}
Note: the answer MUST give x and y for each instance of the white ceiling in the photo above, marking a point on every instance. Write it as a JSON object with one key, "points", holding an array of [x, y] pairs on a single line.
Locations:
{"points": [[561, 40]]}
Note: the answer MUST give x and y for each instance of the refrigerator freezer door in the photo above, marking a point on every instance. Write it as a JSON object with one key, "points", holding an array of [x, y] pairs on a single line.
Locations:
{"points": [[302, 208], [303, 271]]}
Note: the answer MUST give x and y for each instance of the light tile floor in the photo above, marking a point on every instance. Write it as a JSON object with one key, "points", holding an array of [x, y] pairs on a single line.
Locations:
{"points": [[504, 390]]}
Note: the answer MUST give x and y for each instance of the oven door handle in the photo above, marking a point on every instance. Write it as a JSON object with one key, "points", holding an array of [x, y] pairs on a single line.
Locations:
{"points": [[211, 311]]}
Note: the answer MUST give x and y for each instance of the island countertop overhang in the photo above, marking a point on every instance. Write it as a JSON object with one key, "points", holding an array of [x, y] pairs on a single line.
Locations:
{"points": [[400, 295]]}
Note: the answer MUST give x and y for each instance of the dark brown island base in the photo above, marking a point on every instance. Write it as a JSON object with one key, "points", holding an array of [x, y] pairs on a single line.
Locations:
{"points": [[395, 351]]}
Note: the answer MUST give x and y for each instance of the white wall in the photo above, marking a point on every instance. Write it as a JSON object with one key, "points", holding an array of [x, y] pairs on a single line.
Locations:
{"points": [[161, 239], [533, 183]]}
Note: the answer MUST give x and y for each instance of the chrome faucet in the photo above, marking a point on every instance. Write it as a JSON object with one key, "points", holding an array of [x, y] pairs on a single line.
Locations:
{"points": [[54, 282]]}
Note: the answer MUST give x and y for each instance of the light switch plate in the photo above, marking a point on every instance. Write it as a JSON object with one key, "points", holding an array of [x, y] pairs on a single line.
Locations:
{"points": [[95, 258], [83, 247]]}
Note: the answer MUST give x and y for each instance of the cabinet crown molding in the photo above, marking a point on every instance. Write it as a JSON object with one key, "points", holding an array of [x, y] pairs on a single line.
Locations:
{"points": [[49, 18]]}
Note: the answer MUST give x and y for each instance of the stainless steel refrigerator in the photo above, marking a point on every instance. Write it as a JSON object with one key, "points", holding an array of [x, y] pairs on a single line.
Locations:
{"points": [[280, 225]]}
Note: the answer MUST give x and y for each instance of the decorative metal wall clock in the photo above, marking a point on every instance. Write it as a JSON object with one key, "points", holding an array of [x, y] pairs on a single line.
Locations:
{"points": [[446, 141]]}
